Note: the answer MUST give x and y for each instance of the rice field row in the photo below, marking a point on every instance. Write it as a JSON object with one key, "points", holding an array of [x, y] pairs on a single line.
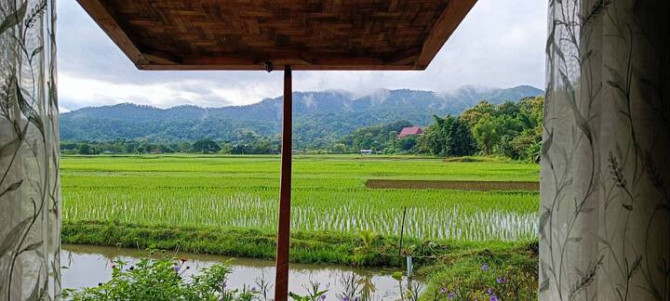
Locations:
{"points": [[329, 195]]}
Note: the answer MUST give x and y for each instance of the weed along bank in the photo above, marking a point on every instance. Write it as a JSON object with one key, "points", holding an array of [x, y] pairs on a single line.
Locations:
{"points": [[206, 35]]}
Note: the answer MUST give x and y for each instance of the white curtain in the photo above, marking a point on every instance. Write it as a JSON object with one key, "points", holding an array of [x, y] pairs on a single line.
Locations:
{"points": [[29, 152], [605, 176]]}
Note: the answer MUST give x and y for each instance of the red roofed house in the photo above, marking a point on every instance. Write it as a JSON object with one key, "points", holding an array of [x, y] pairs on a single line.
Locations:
{"points": [[409, 131]]}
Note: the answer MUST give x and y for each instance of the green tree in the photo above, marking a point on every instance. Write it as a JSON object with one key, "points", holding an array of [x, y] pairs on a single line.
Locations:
{"points": [[486, 133], [510, 129], [449, 136], [472, 115], [533, 107], [529, 142], [462, 142], [85, 149], [68, 147], [374, 137], [508, 108], [338, 148], [184, 147], [436, 138], [206, 146], [407, 144]]}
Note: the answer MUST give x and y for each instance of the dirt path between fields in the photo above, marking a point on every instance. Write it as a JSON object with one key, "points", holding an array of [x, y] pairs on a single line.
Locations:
{"points": [[457, 185]]}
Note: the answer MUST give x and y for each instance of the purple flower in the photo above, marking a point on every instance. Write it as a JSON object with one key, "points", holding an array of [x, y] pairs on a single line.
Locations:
{"points": [[451, 295], [345, 299], [176, 269], [443, 290], [501, 280], [494, 298], [323, 297], [485, 267], [489, 291]]}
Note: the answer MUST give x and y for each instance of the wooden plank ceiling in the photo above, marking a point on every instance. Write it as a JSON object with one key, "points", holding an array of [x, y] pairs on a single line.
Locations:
{"points": [[305, 34]]}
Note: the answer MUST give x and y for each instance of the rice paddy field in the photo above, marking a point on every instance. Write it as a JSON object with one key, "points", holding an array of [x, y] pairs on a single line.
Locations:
{"points": [[329, 194]]}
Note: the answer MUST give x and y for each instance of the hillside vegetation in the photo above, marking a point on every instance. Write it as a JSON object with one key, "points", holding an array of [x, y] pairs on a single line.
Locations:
{"points": [[321, 118], [511, 129]]}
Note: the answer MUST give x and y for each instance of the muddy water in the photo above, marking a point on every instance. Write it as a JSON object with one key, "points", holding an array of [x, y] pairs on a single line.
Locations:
{"points": [[86, 266]]}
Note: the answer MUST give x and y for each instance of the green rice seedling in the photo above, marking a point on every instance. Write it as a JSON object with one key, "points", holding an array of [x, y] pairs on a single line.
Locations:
{"points": [[329, 195]]}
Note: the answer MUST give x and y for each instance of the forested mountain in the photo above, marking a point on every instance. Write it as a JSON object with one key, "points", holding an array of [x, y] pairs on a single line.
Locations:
{"points": [[321, 118]]}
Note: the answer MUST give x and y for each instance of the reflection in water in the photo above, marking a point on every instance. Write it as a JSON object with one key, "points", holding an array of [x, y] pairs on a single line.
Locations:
{"points": [[86, 266]]}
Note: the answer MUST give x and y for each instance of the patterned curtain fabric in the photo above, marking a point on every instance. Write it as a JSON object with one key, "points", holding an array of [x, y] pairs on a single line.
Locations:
{"points": [[29, 152], [605, 176]]}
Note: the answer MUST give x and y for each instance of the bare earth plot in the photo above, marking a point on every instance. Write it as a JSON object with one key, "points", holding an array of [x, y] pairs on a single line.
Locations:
{"points": [[455, 185]]}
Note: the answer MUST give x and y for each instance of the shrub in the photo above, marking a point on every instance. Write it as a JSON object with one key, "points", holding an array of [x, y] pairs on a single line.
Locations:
{"points": [[486, 275], [162, 279]]}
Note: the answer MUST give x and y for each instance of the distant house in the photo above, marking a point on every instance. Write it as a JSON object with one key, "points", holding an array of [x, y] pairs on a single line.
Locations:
{"points": [[366, 152], [409, 131]]}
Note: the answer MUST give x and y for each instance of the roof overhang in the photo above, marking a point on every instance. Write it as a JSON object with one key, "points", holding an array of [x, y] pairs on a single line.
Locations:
{"points": [[305, 34]]}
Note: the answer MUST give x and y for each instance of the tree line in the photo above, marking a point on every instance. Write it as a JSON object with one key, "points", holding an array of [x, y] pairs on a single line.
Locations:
{"points": [[512, 129], [203, 146]]}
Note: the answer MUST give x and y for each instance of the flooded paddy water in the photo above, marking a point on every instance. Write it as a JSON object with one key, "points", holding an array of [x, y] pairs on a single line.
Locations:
{"points": [[86, 266]]}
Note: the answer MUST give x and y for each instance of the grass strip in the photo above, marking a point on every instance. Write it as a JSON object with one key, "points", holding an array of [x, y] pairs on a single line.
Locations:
{"points": [[318, 247], [364, 250]]}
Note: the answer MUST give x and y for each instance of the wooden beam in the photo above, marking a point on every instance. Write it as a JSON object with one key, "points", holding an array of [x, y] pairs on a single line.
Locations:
{"points": [[284, 230], [101, 15], [451, 17], [297, 62], [166, 35], [260, 67], [158, 57]]}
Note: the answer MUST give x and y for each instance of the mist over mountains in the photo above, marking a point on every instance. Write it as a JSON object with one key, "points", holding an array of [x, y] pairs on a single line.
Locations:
{"points": [[319, 117]]}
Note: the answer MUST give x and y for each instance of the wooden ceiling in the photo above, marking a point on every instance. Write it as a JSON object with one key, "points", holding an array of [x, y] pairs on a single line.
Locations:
{"points": [[305, 34]]}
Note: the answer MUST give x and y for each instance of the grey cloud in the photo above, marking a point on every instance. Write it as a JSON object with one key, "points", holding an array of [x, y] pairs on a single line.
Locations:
{"points": [[501, 44]]}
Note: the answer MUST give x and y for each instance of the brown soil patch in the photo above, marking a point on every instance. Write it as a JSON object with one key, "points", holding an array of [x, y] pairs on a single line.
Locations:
{"points": [[457, 185]]}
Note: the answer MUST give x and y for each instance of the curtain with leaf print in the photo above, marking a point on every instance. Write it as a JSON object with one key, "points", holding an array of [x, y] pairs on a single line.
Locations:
{"points": [[605, 175], [29, 152]]}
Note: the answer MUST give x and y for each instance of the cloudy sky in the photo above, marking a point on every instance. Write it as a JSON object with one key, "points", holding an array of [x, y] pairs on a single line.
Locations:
{"points": [[500, 44]]}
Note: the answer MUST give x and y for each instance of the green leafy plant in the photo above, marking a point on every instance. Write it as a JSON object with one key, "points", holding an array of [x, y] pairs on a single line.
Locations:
{"points": [[487, 275], [314, 293], [162, 279]]}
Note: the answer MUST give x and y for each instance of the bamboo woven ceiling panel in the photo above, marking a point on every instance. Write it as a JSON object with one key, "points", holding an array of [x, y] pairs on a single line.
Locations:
{"points": [[306, 34]]}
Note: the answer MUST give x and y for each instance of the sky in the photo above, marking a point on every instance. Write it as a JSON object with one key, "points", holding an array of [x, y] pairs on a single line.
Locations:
{"points": [[499, 44]]}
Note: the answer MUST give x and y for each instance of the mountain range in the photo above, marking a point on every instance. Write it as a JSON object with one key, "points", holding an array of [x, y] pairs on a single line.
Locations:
{"points": [[319, 117]]}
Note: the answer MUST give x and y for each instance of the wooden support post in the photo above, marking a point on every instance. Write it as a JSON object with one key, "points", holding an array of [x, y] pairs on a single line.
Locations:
{"points": [[284, 231]]}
